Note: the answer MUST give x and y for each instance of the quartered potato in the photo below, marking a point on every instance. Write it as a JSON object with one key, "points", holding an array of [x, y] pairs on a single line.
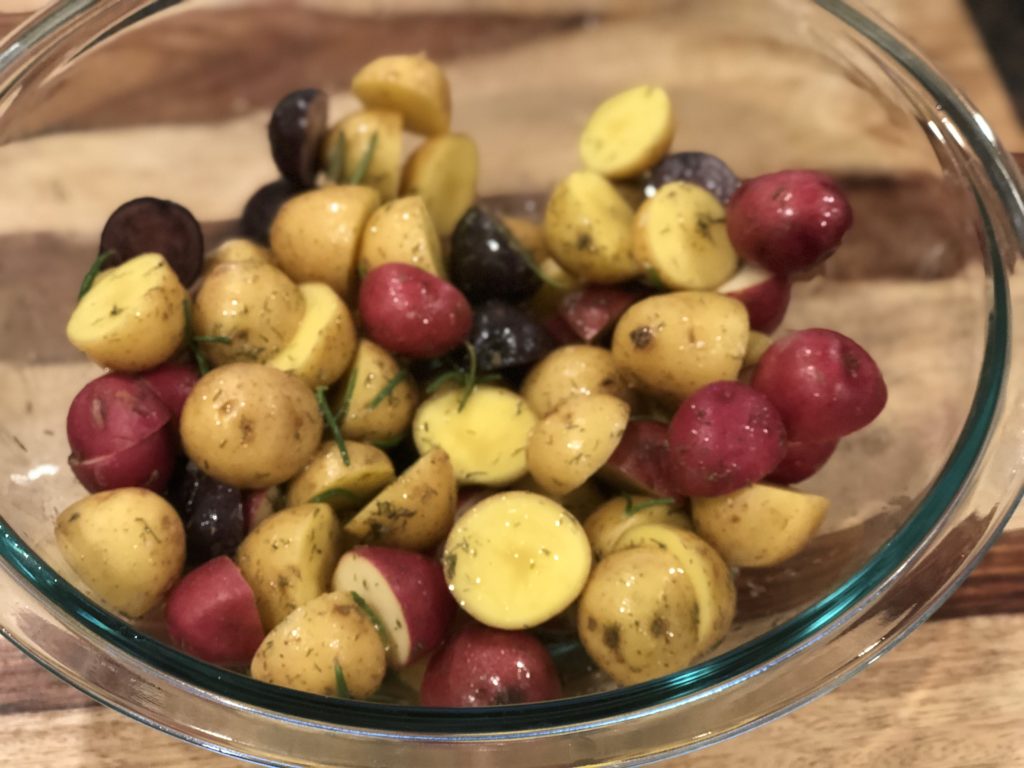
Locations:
{"points": [[324, 342], [588, 229], [328, 479], [570, 371], [410, 84], [679, 234], [380, 129], [606, 524], [401, 232], [443, 171], [628, 133], [369, 415], [486, 439], [133, 317]]}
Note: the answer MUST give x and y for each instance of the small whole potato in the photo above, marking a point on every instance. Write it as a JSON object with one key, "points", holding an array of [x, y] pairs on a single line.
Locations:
{"points": [[250, 426], [576, 369]]}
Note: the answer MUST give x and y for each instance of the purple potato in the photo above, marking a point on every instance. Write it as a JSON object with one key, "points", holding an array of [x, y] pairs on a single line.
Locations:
{"points": [[296, 129], [150, 225], [263, 206], [213, 513], [487, 262], [696, 167], [505, 337]]}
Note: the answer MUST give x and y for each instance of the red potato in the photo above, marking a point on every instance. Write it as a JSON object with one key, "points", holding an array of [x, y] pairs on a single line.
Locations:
{"points": [[257, 506], [148, 463], [172, 383], [801, 461], [591, 311], [823, 384], [410, 312], [480, 667], [559, 330], [407, 592], [211, 613], [788, 221], [641, 463], [112, 413], [764, 294], [724, 436]]}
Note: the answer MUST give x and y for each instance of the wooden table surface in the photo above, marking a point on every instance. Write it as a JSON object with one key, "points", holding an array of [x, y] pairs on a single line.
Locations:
{"points": [[951, 695]]}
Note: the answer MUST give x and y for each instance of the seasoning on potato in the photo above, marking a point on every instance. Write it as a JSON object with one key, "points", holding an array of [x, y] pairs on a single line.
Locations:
{"points": [[412, 85], [345, 486], [323, 343], [612, 519], [372, 150], [628, 133]]}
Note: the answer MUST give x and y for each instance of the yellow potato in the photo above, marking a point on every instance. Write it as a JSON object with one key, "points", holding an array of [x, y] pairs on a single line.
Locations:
{"points": [[374, 368], [289, 557], [250, 426], [516, 559], [571, 371], [757, 345], [315, 235], [557, 283], [411, 84], [443, 171], [237, 250], [486, 440], [628, 133], [606, 524], [127, 545], [384, 170], [760, 525], [673, 344], [588, 229], [710, 576], [528, 234], [415, 511], [401, 232], [324, 342], [638, 616], [575, 440], [581, 502], [133, 318], [345, 487], [327, 638], [679, 235]]}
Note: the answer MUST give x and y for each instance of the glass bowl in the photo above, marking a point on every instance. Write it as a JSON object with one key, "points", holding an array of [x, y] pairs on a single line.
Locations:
{"points": [[104, 101]]}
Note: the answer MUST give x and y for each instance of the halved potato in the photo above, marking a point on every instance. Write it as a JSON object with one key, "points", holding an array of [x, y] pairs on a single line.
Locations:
{"points": [[443, 171], [237, 250], [370, 416], [401, 232], [411, 84], [384, 170], [330, 480], [571, 371], [628, 133], [606, 524], [325, 341]]}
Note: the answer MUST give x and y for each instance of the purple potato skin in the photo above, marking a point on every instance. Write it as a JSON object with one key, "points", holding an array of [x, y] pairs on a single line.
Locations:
{"points": [[296, 129], [151, 225]]}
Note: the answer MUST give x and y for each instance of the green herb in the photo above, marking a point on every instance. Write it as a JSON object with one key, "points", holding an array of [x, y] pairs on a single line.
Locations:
{"points": [[346, 398], [443, 379], [470, 382], [652, 277], [633, 507], [364, 162], [374, 619], [467, 380], [336, 160], [388, 388], [330, 493], [190, 341], [339, 681], [535, 268], [94, 270], [212, 339], [385, 445], [332, 423]]}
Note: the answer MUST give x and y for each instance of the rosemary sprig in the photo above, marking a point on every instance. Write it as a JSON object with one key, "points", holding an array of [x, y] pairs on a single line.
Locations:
{"points": [[346, 398], [374, 619], [359, 173], [339, 681], [388, 388], [336, 160], [330, 493], [94, 270], [632, 507], [470, 382], [332, 423], [190, 341], [212, 339], [652, 277]]}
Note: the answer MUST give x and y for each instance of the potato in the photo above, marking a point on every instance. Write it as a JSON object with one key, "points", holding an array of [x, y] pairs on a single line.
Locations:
{"points": [[384, 170], [638, 616], [570, 371], [486, 440], [237, 250], [327, 639], [581, 502], [402, 232], [368, 471], [411, 84], [133, 317], [673, 344], [251, 302], [127, 545], [528, 234], [679, 235], [289, 557], [443, 171], [324, 343], [588, 229], [606, 524], [757, 345], [373, 369], [628, 133], [415, 511], [315, 235], [575, 440], [250, 426], [760, 525], [710, 576]]}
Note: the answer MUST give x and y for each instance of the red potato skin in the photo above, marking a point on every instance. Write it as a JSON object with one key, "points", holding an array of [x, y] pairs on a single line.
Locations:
{"points": [[148, 463], [641, 462], [412, 313], [723, 437], [257, 506], [766, 302], [172, 383], [823, 383], [788, 221], [802, 460], [480, 667], [592, 311], [559, 330], [211, 613], [112, 413]]}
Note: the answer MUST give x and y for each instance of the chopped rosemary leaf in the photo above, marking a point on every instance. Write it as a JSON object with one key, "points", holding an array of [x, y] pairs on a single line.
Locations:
{"points": [[336, 160], [535, 268], [93, 272], [330, 493], [339, 681], [388, 388], [332, 423], [470, 382], [443, 379], [346, 398], [634, 507], [651, 275], [374, 619], [190, 341], [385, 445], [211, 339], [364, 162]]}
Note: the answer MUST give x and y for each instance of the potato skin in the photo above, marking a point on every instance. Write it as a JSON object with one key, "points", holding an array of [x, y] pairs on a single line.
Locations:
{"points": [[401, 231], [373, 367], [302, 651], [443, 171], [324, 342], [385, 167], [610, 521], [638, 616], [569, 371], [250, 426], [251, 302], [411, 84], [368, 471], [628, 133], [672, 344], [127, 545], [237, 250]]}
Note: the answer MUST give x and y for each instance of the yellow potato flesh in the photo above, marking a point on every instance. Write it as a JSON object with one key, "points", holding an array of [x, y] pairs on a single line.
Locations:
{"points": [[401, 232], [343, 486], [365, 419], [443, 171], [384, 169], [324, 342], [757, 345], [628, 132], [606, 524], [411, 84]]}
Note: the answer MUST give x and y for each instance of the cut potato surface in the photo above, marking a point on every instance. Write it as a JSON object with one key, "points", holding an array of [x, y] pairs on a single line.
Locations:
{"points": [[410, 84], [680, 235], [401, 232], [628, 132], [384, 169], [133, 317], [757, 345], [443, 171], [369, 416], [516, 559], [324, 342], [486, 440], [606, 524], [343, 486], [570, 371]]}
